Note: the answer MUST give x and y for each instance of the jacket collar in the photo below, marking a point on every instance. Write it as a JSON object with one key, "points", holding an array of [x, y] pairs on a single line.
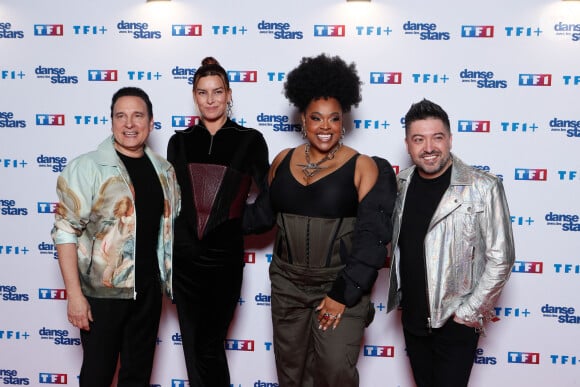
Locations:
{"points": [[229, 124], [107, 154]]}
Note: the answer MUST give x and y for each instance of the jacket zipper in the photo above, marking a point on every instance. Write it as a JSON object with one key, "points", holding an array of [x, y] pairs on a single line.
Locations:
{"points": [[135, 235], [91, 259], [429, 326], [210, 145]]}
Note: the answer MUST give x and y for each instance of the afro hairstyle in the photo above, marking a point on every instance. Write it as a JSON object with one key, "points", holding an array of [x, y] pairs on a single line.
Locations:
{"points": [[323, 77]]}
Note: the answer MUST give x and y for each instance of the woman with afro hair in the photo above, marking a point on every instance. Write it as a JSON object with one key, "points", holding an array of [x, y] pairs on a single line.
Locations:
{"points": [[333, 209]]}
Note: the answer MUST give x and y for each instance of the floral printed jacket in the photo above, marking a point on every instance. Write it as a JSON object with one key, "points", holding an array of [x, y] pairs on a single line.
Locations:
{"points": [[96, 212]]}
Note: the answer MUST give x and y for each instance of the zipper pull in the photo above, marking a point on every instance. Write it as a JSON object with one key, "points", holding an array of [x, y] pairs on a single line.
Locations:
{"points": [[429, 324]]}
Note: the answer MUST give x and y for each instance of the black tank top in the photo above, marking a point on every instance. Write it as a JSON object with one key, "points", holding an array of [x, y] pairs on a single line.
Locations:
{"points": [[333, 196]]}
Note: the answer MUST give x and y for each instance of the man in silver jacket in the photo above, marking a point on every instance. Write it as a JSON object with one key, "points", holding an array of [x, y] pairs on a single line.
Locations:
{"points": [[452, 251]]}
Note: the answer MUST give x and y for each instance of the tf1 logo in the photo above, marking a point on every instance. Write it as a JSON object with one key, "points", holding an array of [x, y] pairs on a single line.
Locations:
{"points": [[379, 350], [531, 174], [524, 357], [48, 29], [528, 267], [330, 30], [239, 345], [52, 294], [387, 78], [535, 80], [50, 378], [103, 75]]}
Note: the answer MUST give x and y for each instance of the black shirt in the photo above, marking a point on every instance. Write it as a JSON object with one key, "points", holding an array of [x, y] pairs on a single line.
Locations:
{"points": [[149, 205], [423, 197]]}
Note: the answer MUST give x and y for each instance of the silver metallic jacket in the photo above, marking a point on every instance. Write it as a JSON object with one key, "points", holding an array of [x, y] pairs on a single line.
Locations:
{"points": [[469, 248]]}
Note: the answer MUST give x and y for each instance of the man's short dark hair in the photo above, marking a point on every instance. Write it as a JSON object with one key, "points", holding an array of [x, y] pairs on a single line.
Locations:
{"points": [[132, 92], [426, 109]]}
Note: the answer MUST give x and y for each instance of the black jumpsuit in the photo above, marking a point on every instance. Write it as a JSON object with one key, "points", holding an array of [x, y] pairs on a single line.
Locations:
{"points": [[214, 172]]}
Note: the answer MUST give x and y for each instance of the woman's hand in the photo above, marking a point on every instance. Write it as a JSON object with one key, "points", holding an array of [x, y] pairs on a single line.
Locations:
{"points": [[329, 313]]}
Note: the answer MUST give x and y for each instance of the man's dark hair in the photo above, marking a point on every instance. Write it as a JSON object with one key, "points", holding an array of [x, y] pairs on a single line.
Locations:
{"points": [[132, 92], [426, 109]]}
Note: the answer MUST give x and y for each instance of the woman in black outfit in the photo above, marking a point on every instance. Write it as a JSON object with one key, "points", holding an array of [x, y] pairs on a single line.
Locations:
{"points": [[215, 162], [334, 209]]}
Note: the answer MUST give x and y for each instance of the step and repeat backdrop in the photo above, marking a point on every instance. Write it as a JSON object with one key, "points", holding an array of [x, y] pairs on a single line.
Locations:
{"points": [[506, 72]]}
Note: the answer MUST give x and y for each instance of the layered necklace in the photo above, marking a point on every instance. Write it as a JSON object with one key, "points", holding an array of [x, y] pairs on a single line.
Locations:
{"points": [[310, 169]]}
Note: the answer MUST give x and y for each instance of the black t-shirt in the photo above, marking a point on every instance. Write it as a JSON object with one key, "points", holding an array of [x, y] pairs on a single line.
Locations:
{"points": [[423, 197], [149, 205]]}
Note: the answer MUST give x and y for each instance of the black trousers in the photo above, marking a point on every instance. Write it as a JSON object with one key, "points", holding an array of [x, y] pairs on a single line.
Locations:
{"points": [[206, 293], [444, 358], [124, 330]]}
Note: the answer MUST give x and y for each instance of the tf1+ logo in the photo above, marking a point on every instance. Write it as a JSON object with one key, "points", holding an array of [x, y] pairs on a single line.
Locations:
{"points": [[511, 312], [228, 30], [521, 31], [11, 74], [524, 357], [13, 335], [567, 268], [89, 30], [50, 378], [564, 359], [239, 345], [13, 163]]}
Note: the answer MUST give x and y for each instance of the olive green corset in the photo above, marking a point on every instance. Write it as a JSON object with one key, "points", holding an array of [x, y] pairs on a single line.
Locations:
{"points": [[313, 242]]}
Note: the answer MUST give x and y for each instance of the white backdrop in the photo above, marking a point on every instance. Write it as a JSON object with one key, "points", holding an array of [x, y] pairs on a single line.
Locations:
{"points": [[506, 72]]}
